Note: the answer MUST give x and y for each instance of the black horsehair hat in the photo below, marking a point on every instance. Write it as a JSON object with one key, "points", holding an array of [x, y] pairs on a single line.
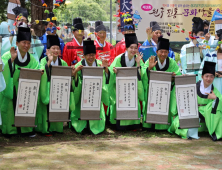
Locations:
{"points": [[130, 39], [163, 44], [155, 26], [99, 26], [77, 23], [19, 10], [198, 25], [23, 34], [209, 67], [52, 40], [89, 47]]}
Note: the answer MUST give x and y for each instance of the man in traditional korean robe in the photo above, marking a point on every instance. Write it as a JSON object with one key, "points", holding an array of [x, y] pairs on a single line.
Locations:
{"points": [[129, 28], [128, 59], [161, 62], [105, 50], [9, 42], [209, 107], [52, 59], [73, 51], [197, 30], [95, 126], [13, 60], [50, 27], [153, 33]]}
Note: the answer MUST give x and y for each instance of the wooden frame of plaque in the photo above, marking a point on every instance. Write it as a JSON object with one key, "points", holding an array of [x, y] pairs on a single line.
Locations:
{"points": [[27, 121], [128, 113], [61, 71], [187, 121], [89, 113], [158, 117], [11, 16], [193, 66], [218, 21]]}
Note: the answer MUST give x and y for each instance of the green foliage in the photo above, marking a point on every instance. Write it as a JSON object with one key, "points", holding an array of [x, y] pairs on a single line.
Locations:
{"points": [[88, 10], [3, 9]]}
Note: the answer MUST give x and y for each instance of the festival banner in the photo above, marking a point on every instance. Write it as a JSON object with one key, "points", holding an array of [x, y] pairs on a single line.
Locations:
{"points": [[172, 15]]}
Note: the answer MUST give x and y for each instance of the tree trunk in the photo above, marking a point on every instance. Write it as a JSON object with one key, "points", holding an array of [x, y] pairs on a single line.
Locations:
{"points": [[37, 13], [22, 3]]}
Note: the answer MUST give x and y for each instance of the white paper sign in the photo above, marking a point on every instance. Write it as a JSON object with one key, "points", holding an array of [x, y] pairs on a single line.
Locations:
{"points": [[11, 6], [126, 93], [219, 65], [28, 91], [193, 58], [60, 93], [187, 101], [91, 93], [159, 96]]}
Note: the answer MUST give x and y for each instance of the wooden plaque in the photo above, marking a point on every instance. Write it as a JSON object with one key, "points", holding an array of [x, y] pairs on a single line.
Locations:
{"points": [[159, 97], [27, 97], [187, 106], [60, 94], [91, 93], [126, 94]]}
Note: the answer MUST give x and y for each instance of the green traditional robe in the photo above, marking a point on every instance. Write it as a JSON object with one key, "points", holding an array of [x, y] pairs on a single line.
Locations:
{"points": [[120, 62], [210, 109], [96, 126], [171, 66], [42, 123], [36, 50], [8, 96]]}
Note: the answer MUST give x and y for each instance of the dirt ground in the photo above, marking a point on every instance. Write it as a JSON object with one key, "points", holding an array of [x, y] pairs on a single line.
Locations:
{"points": [[110, 150]]}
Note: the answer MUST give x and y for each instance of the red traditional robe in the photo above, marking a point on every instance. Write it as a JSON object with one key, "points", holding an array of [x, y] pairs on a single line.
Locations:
{"points": [[72, 52], [121, 47], [107, 52]]}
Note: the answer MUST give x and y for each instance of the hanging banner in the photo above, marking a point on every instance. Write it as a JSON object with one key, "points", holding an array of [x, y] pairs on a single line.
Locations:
{"points": [[187, 106], [11, 5], [193, 58], [27, 97], [60, 94], [159, 97], [126, 94], [178, 14], [91, 93]]}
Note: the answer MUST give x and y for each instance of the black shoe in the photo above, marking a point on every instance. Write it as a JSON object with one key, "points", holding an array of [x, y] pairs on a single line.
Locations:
{"points": [[214, 137]]}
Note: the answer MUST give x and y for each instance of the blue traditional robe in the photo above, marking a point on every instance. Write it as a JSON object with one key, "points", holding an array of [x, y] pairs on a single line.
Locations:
{"points": [[148, 52]]}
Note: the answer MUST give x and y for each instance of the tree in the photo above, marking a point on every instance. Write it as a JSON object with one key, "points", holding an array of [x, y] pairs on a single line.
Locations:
{"points": [[37, 13]]}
